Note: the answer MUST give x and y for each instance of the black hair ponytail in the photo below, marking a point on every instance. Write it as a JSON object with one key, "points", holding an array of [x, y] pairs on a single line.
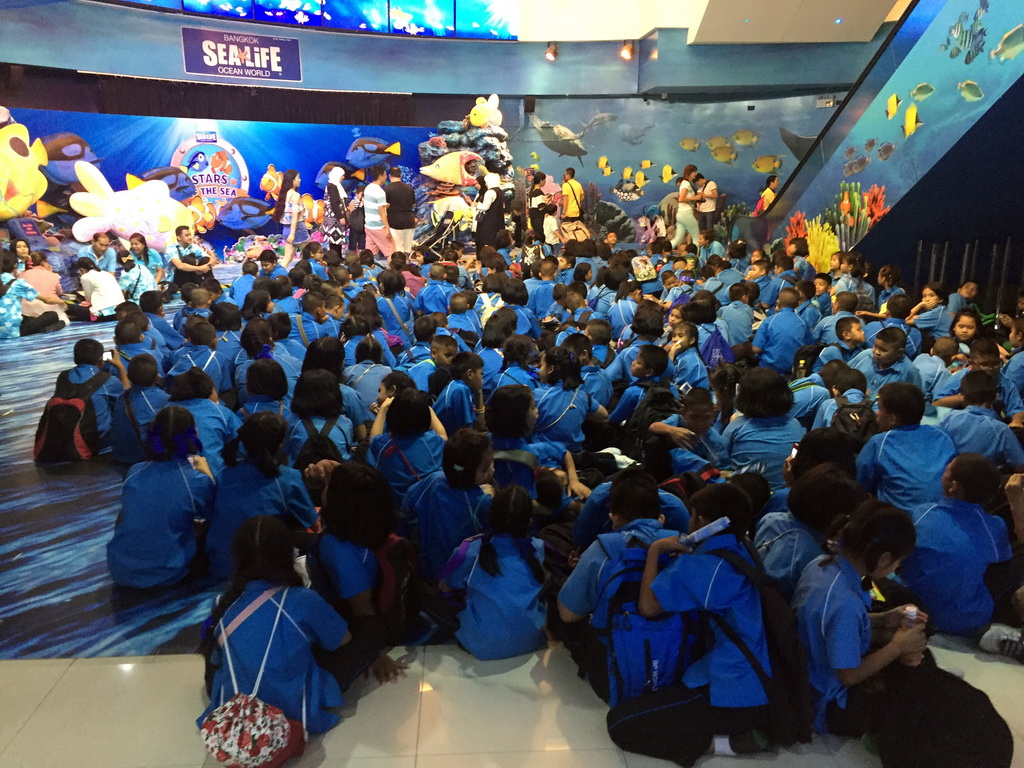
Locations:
{"points": [[873, 529], [511, 512], [262, 435]]}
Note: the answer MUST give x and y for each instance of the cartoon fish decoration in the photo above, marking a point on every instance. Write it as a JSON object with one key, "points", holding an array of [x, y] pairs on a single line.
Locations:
{"points": [[602, 162], [486, 111], [627, 172], [641, 180], [858, 164], [667, 174], [244, 213], [314, 209], [970, 91], [325, 171], [717, 141], [271, 182], [21, 181], [922, 91], [870, 144], [911, 122], [1010, 46], [725, 154], [366, 151], [535, 157], [746, 138], [204, 213], [850, 152], [885, 151], [198, 163], [607, 170], [221, 163], [456, 168], [627, 190], [690, 145], [646, 164], [64, 150], [181, 186], [892, 106], [767, 163]]}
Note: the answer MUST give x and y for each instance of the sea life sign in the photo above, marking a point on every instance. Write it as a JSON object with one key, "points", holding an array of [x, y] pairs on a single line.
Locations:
{"points": [[240, 55]]}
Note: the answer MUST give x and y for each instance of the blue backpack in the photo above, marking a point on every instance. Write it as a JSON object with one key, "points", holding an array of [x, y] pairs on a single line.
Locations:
{"points": [[716, 350], [636, 655]]}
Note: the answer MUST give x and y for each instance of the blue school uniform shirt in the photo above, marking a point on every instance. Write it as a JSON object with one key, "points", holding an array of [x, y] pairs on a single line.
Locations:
{"points": [[414, 354], [215, 424], [935, 321], [107, 262], [340, 568], [593, 517], [708, 448], [619, 368], [706, 582], [976, 429], [421, 372], [808, 312], [340, 435], [440, 517], [516, 375], [561, 413], [620, 315], [956, 543], [265, 404], [1009, 398], [510, 599], [277, 271], [832, 615], [786, 546], [629, 400], [739, 320], [464, 321], [229, 344], [185, 313], [406, 459], [825, 331], [934, 375], [600, 298], [887, 293], [507, 472], [541, 298], [199, 356], [809, 394], [398, 321], [526, 321], [901, 370], [103, 399], [705, 252], [597, 384], [720, 284], [434, 297], [365, 379], [243, 492], [770, 293], [827, 410], [459, 341], [580, 592], [292, 371], [292, 680], [378, 334], [1013, 371], [836, 352], [153, 543], [765, 440], [144, 347], [779, 337], [904, 466], [823, 303], [846, 284], [129, 445], [305, 323], [172, 338], [454, 407], [913, 345]]}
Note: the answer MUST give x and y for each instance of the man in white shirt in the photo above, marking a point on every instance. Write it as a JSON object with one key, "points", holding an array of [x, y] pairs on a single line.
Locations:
{"points": [[706, 208], [375, 208]]}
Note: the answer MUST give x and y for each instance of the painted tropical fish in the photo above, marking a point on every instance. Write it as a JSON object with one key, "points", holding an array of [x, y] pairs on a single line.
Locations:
{"points": [[271, 182], [244, 213], [367, 151], [456, 168], [1010, 46], [181, 186], [746, 138], [63, 151]]}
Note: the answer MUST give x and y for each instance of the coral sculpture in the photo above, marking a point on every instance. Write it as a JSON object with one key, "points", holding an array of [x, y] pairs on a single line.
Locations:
{"points": [[797, 226], [874, 201], [822, 243], [723, 231], [854, 213]]}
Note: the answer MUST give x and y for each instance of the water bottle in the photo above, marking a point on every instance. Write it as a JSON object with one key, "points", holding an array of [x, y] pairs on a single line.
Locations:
{"points": [[713, 528], [909, 616]]}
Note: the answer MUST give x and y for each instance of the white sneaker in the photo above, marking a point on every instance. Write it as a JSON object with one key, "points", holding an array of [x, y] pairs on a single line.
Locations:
{"points": [[1003, 640], [613, 451]]}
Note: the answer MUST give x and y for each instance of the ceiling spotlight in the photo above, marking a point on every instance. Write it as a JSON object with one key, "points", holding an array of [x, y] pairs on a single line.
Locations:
{"points": [[552, 52], [627, 50]]}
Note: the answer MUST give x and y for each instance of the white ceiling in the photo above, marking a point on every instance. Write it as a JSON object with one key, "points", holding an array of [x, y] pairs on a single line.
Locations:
{"points": [[708, 21]]}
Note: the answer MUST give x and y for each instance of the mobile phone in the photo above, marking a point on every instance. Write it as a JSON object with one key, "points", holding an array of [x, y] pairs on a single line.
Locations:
{"points": [[108, 356], [796, 447]]}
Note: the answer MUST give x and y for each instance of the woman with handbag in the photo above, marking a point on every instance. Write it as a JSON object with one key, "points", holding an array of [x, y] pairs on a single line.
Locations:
{"points": [[335, 210]]}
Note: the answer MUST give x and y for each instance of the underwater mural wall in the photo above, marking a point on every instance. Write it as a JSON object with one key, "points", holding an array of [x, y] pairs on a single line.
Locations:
{"points": [[963, 63], [628, 152]]}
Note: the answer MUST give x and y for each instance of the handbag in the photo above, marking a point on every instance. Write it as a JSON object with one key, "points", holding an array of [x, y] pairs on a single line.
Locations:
{"points": [[245, 732]]}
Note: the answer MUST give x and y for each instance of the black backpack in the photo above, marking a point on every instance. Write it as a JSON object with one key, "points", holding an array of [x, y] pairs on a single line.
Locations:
{"points": [[790, 708], [67, 429], [864, 301], [318, 446], [657, 404], [805, 358], [855, 420]]}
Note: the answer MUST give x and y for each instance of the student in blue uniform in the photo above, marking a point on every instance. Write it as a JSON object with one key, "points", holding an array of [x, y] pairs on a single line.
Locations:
{"points": [[780, 335], [621, 313], [129, 342], [931, 315], [290, 621], [88, 357], [194, 391], [886, 361], [812, 392], [154, 542], [849, 386], [727, 698], [977, 428], [326, 355], [515, 296], [423, 332], [595, 380], [738, 314], [517, 356], [318, 408], [845, 306], [406, 441], [594, 519], [442, 351], [226, 319], [448, 506], [395, 306], [368, 372], [789, 540], [688, 436], [850, 331], [199, 351], [197, 304], [647, 328], [135, 410], [562, 403], [648, 367], [434, 296], [895, 317], [903, 464], [152, 304], [846, 645], [258, 344], [784, 275], [502, 577], [242, 284], [807, 310], [688, 368], [268, 390], [254, 483], [462, 320], [765, 433], [984, 357], [541, 288], [311, 323]]}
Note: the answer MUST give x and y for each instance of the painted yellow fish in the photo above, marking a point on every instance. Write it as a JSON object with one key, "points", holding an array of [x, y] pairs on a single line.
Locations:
{"points": [[535, 166], [535, 157], [911, 122], [627, 172], [607, 170], [767, 163], [641, 180], [725, 154], [746, 138], [602, 162], [690, 145], [21, 181], [646, 163], [717, 141], [892, 106], [667, 174]]}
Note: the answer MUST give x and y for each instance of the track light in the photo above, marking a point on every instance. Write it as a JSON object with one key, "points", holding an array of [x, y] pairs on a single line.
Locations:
{"points": [[627, 50], [552, 52]]}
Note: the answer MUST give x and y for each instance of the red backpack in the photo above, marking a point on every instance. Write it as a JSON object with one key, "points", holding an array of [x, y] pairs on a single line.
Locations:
{"points": [[67, 429]]}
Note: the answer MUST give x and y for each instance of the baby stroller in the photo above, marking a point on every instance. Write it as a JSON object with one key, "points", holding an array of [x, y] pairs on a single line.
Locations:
{"points": [[440, 236]]}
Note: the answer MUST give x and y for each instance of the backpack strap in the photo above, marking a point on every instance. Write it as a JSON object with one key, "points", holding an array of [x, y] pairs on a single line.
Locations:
{"points": [[458, 558], [129, 410], [88, 388], [398, 317], [302, 330], [518, 455]]}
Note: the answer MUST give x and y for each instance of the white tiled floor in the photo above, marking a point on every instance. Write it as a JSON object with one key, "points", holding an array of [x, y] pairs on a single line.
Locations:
{"points": [[452, 711]]}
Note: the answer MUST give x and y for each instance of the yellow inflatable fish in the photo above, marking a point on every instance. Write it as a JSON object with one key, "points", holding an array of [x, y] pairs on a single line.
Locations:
{"points": [[641, 180], [627, 172], [892, 106], [271, 182], [602, 162], [690, 145], [911, 122], [746, 138], [486, 112], [667, 174], [767, 163], [646, 163], [457, 168], [717, 141], [21, 181], [725, 154]]}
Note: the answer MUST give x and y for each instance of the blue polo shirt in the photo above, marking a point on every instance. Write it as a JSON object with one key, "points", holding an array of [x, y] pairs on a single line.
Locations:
{"points": [[779, 337], [621, 315], [172, 338], [936, 321], [240, 288], [719, 284], [809, 394], [904, 466], [825, 331], [739, 320], [406, 459], [341, 568], [976, 429], [306, 329], [1009, 398], [107, 262], [956, 543], [414, 354], [690, 369], [770, 293], [836, 352], [934, 375], [827, 410], [593, 518], [832, 614], [103, 399], [823, 303], [600, 298], [540, 297], [913, 334], [365, 379], [129, 445], [597, 384], [454, 407], [526, 321], [1014, 371], [441, 517], [561, 413], [706, 582], [434, 297], [901, 370], [764, 440], [786, 546], [809, 313], [398, 321], [630, 399]]}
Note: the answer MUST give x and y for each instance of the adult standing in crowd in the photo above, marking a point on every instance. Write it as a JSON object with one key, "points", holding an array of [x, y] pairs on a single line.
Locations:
{"points": [[706, 208], [401, 210], [335, 210], [290, 214], [572, 197], [357, 221], [537, 202], [490, 213], [375, 211], [686, 217], [767, 194]]}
